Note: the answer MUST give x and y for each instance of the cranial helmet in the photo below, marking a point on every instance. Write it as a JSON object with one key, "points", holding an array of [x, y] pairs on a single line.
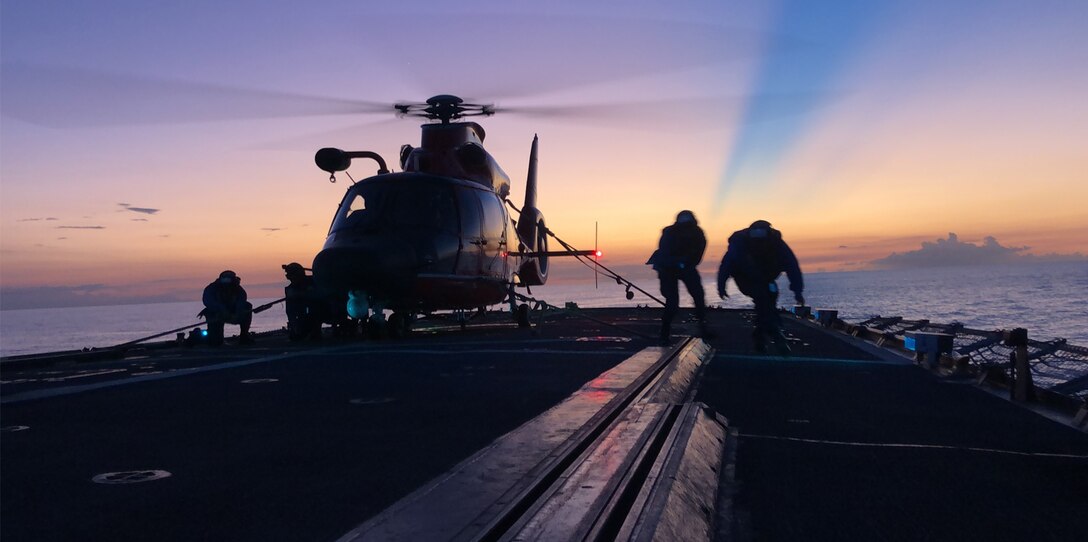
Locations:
{"points": [[759, 229], [294, 269], [228, 276], [685, 216]]}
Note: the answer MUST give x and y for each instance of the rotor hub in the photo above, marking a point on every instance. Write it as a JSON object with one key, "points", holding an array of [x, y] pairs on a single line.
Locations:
{"points": [[445, 108]]}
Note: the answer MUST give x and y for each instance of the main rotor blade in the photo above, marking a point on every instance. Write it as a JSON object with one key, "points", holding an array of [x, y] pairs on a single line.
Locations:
{"points": [[518, 55], [76, 97], [681, 114], [338, 137]]}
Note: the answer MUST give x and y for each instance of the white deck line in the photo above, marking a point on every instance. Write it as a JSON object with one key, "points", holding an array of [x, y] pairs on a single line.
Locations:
{"points": [[321, 352]]}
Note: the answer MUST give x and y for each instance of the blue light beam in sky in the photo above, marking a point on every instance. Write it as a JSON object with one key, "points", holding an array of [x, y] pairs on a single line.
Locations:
{"points": [[794, 81]]}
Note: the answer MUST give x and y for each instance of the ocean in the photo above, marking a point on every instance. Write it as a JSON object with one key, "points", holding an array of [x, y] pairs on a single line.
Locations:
{"points": [[1050, 300]]}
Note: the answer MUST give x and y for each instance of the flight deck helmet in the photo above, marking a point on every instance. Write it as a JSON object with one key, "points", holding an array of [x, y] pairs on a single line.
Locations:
{"points": [[229, 277]]}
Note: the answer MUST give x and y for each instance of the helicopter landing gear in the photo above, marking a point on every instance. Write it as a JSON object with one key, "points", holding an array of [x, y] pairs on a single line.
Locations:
{"points": [[375, 326], [399, 324], [345, 328], [521, 316]]}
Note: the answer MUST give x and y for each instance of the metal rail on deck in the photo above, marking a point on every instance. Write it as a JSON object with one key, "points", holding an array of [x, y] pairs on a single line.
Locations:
{"points": [[531, 495]]}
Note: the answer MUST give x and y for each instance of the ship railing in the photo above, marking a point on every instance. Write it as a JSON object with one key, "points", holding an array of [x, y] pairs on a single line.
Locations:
{"points": [[1056, 366]]}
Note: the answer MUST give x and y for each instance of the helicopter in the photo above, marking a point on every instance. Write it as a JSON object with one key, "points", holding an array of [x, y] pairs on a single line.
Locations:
{"points": [[437, 235]]}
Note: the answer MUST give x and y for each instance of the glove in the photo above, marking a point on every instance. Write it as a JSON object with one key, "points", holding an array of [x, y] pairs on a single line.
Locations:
{"points": [[799, 298]]}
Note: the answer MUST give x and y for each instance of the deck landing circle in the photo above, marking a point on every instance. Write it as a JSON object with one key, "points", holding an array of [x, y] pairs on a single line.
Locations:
{"points": [[130, 477], [371, 400]]}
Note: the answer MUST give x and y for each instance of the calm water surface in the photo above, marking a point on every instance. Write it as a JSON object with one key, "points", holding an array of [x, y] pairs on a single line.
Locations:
{"points": [[1050, 300]]}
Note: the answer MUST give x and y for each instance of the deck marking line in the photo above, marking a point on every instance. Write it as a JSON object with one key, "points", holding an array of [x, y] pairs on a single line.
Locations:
{"points": [[492, 351], [437, 344], [69, 390], [752, 357], [909, 445]]}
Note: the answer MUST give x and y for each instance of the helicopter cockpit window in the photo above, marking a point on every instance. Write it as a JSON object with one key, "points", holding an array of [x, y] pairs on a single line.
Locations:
{"points": [[357, 204], [398, 205]]}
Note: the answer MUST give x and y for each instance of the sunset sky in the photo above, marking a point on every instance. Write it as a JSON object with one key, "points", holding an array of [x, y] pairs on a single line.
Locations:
{"points": [[146, 146]]}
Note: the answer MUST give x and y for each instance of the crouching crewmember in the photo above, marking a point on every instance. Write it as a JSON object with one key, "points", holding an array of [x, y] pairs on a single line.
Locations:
{"points": [[225, 303]]}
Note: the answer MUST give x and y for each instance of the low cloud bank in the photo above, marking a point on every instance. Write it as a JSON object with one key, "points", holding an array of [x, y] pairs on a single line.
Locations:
{"points": [[952, 251], [85, 295]]}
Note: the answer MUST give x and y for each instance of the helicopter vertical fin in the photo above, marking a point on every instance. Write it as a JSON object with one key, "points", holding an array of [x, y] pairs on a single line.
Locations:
{"points": [[530, 178], [532, 232]]}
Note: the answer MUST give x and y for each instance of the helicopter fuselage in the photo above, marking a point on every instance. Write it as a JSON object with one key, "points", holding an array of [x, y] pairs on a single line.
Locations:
{"points": [[437, 236], [418, 242]]}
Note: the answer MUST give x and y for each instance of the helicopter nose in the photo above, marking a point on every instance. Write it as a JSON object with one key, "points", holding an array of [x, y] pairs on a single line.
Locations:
{"points": [[365, 264]]}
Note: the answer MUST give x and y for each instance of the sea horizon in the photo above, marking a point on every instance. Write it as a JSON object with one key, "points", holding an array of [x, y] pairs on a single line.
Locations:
{"points": [[1048, 299]]}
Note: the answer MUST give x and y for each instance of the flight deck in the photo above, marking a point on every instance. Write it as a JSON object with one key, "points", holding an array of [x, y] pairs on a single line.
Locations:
{"points": [[578, 428]]}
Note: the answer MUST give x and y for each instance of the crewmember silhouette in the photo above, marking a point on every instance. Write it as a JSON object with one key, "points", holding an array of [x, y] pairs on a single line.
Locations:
{"points": [[678, 253], [755, 257], [225, 303], [302, 307]]}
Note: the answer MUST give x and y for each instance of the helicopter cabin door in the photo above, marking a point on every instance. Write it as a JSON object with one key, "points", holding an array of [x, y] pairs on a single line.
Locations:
{"points": [[494, 224], [483, 234], [472, 241]]}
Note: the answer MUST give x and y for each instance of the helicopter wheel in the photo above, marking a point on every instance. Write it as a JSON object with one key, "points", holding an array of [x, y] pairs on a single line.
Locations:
{"points": [[399, 325], [341, 329], [375, 327], [522, 316]]}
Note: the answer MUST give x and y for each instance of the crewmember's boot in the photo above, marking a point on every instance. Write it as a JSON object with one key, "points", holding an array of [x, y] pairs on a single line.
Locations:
{"points": [[215, 333], [758, 343], [244, 337], [666, 335]]}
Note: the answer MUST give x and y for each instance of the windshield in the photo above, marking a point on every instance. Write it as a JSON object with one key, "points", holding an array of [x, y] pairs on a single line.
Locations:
{"points": [[397, 204]]}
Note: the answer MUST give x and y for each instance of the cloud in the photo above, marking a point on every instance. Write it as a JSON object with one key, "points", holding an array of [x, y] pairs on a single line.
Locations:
{"points": [[36, 219], [271, 229], [952, 251], [139, 220], [81, 227], [144, 210]]}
